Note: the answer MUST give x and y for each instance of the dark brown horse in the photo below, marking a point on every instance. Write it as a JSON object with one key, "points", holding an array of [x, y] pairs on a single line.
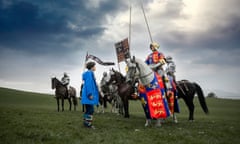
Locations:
{"points": [[125, 89], [103, 99], [61, 93]]}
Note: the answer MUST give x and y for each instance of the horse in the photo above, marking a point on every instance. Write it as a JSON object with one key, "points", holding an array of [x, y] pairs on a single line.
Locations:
{"points": [[61, 93], [110, 93], [138, 69], [187, 90], [103, 99], [125, 89]]}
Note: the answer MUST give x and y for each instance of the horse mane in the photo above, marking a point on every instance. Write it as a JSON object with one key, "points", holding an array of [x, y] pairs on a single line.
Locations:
{"points": [[120, 75], [146, 73]]}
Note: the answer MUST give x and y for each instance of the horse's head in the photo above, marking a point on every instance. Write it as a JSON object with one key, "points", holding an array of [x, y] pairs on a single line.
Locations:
{"points": [[132, 70], [138, 70], [53, 80], [55, 83], [116, 76]]}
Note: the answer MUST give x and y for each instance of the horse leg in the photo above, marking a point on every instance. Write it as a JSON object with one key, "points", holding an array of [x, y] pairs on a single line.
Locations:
{"points": [[70, 104], [75, 107], [74, 101], [121, 107], [57, 104], [147, 123], [190, 106], [62, 104], [191, 113], [114, 106], [75, 104], [175, 118], [126, 105]]}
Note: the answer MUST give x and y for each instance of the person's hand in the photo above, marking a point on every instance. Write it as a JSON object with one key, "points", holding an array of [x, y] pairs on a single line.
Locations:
{"points": [[90, 97], [162, 61]]}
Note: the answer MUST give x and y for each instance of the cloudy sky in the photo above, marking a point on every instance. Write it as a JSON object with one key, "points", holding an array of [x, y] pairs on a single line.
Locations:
{"points": [[44, 38]]}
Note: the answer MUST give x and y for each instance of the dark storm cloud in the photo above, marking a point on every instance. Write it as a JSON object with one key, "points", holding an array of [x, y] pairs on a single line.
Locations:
{"points": [[40, 27]]}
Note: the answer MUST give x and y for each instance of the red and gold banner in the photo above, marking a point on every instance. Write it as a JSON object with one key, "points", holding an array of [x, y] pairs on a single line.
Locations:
{"points": [[170, 99], [156, 104]]}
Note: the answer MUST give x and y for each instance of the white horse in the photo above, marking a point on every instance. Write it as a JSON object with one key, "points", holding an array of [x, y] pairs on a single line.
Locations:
{"points": [[138, 69]]}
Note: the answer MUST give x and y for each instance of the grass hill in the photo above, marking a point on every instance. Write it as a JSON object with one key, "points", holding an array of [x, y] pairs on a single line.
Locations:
{"points": [[32, 118]]}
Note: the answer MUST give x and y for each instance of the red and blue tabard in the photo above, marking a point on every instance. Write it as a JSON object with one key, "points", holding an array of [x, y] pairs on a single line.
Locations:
{"points": [[154, 58], [154, 103]]}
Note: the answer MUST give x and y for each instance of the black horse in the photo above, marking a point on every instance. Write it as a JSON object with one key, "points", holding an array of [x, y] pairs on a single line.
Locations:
{"points": [[186, 91], [61, 93], [125, 90]]}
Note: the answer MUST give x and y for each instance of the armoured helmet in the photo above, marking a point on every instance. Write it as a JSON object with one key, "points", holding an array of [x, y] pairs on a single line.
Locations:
{"points": [[154, 45], [104, 74], [65, 74], [169, 59]]}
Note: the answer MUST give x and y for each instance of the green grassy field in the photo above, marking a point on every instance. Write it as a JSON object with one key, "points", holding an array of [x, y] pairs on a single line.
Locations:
{"points": [[32, 118]]}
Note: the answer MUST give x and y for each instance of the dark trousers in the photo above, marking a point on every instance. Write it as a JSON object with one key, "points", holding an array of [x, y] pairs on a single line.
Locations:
{"points": [[89, 109], [88, 116]]}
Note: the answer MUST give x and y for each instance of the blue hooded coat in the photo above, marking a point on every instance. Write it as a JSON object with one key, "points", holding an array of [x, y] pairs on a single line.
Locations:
{"points": [[89, 89]]}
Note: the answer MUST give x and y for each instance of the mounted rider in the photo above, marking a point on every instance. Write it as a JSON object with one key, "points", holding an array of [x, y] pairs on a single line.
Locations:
{"points": [[156, 60], [165, 67], [65, 81]]}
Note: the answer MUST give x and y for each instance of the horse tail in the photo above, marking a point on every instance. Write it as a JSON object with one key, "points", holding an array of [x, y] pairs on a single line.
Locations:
{"points": [[201, 98]]}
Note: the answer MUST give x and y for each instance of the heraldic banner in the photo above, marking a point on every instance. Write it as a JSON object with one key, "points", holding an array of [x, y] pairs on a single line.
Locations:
{"points": [[156, 104], [153, 100], [122, 49], [98, 60]]}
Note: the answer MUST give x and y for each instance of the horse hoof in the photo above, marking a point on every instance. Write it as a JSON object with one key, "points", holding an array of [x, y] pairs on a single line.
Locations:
{"points": [[158, 123], [146, 125]]}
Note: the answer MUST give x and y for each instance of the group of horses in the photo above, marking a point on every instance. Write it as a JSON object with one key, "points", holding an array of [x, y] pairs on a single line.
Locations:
{"points": [[126, 87]]}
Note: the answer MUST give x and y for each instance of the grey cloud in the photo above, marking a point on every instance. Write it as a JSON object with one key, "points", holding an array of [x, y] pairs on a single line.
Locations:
{"points": [[42, 27]]}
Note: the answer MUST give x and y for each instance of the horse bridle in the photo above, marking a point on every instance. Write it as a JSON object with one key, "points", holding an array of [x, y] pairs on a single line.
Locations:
{"points": [[133, 73], [140, 77]]}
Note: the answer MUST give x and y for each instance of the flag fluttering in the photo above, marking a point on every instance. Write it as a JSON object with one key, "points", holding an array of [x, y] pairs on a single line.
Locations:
{"points": [[99, 61], [122, 49]]}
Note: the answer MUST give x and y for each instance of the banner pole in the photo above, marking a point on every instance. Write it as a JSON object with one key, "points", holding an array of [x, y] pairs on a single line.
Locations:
{"points": [[145, 18], [119, 67], [130, 22]]}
